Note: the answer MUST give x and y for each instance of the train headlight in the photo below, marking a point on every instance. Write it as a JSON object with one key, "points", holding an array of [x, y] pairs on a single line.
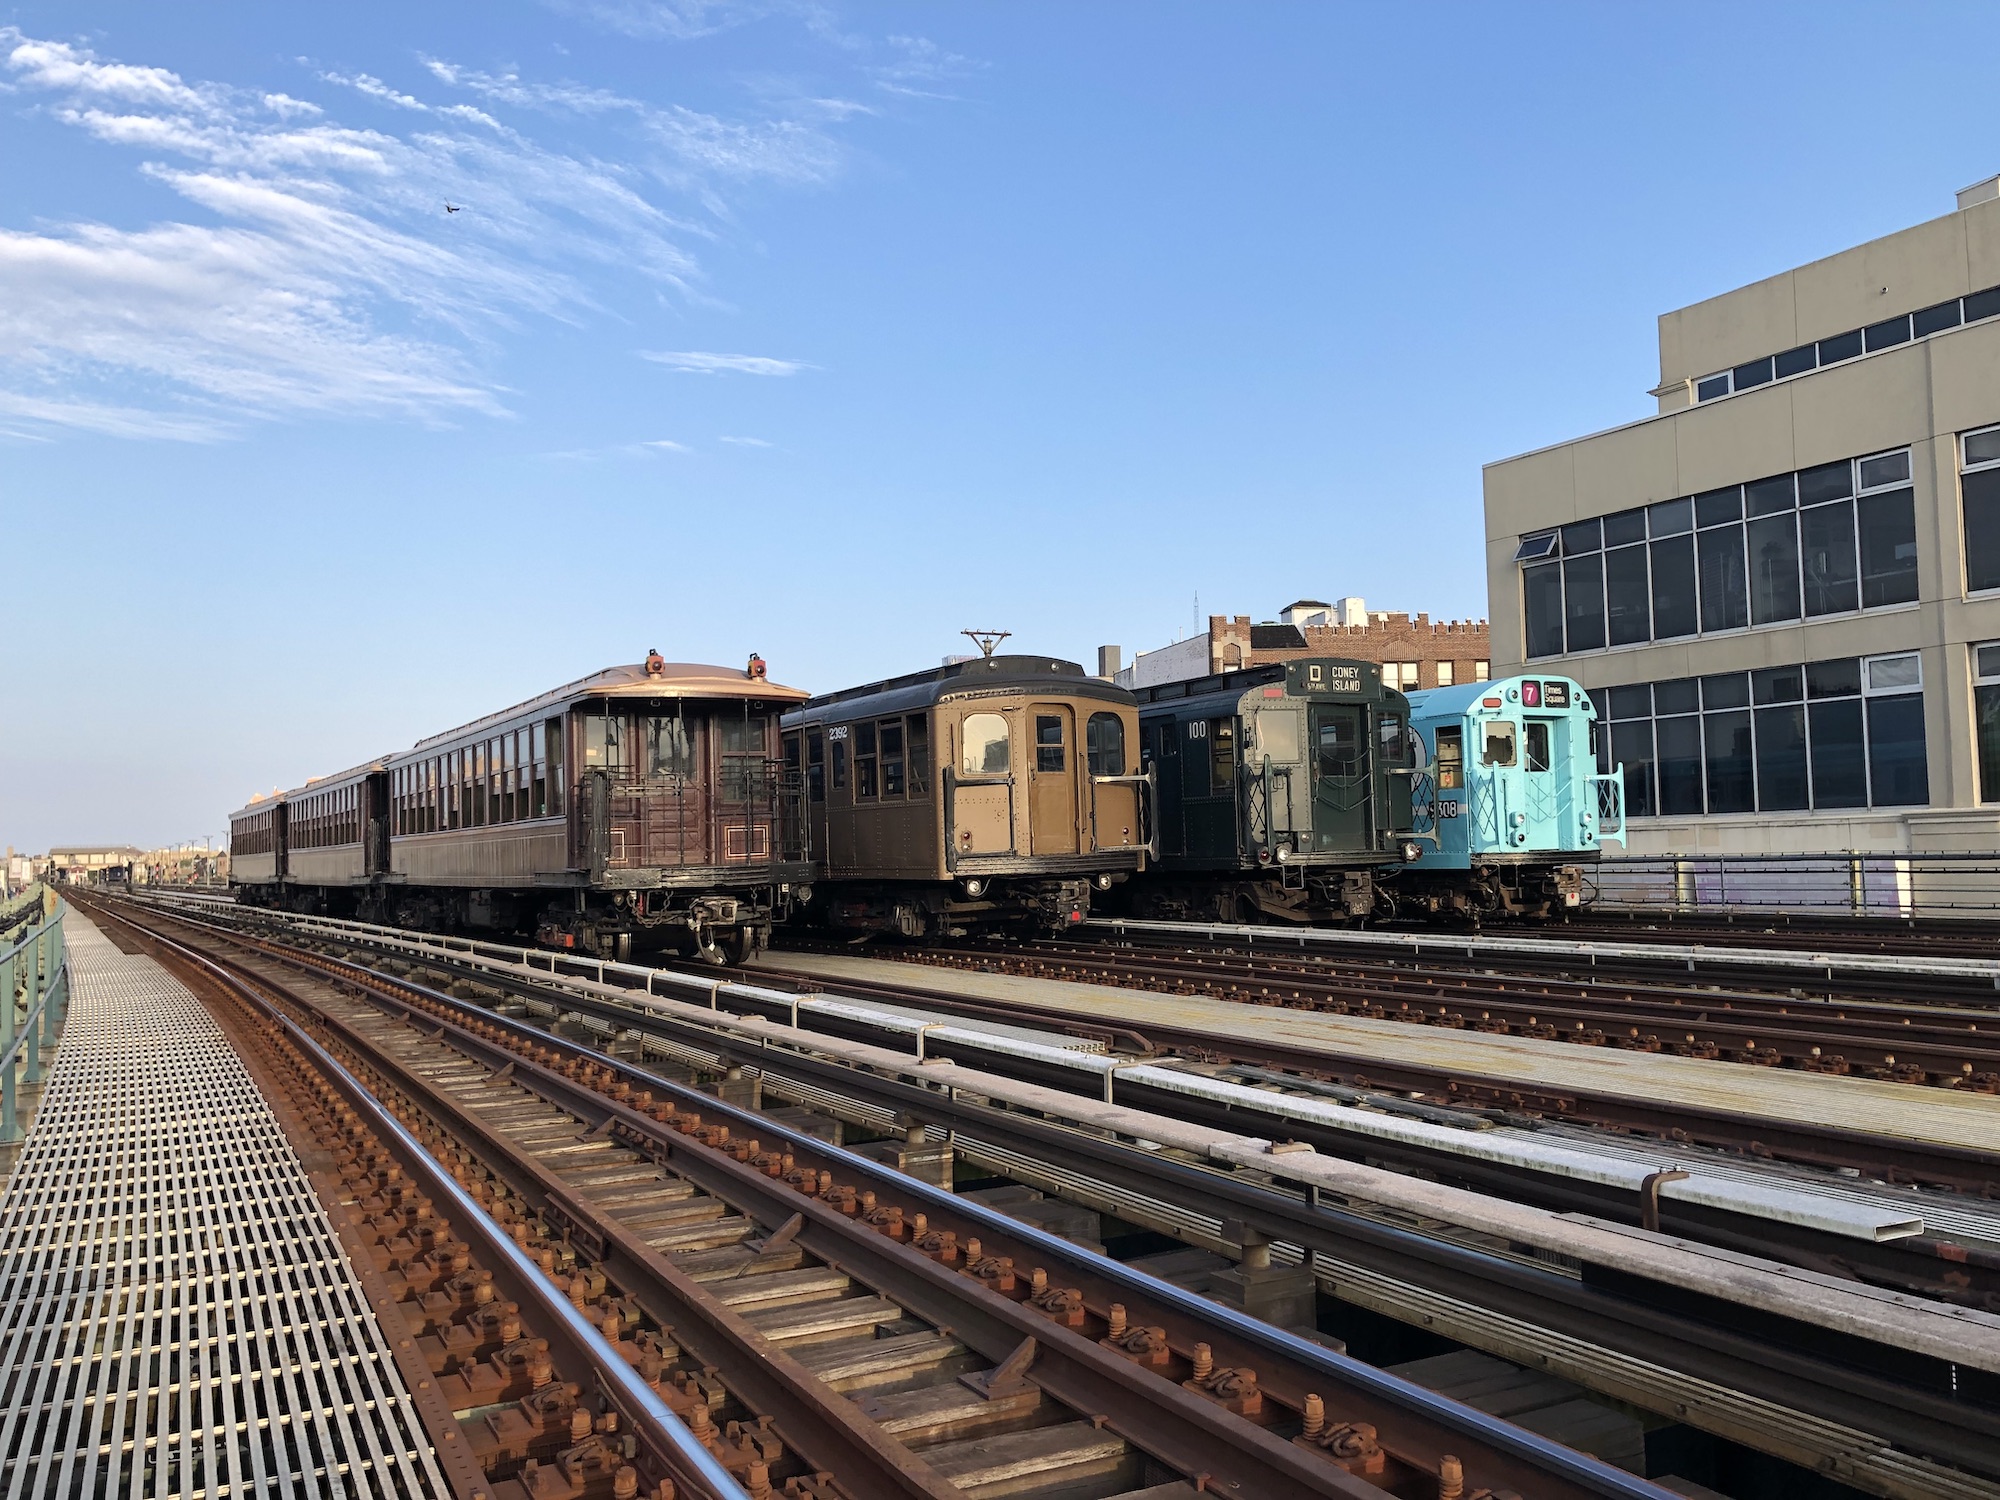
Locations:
{"points": [[803, 894], [975, 887], [1284, 852], [1104, 881], [1412, 852]]}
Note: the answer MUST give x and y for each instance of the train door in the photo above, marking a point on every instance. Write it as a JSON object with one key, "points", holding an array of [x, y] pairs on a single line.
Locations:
{"points": [[1340, 777], [375, 824], [1496, 795], [1545, 780], [982, 796], [1161, 741], [1052, 781]]}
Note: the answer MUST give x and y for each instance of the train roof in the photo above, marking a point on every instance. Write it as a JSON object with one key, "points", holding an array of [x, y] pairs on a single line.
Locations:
{"points": [[1461, 698], [1294, 673], [673, 679], [310, 786], [979, 674]]}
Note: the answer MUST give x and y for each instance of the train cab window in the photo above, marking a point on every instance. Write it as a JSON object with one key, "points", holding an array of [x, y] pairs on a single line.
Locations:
{"points": [[864, 762], [1497, 748], [1340, 745], [538, 750], [1104, 745], [603, 742], [890, 738], [1537, 744], [1278, 732], [985, 738], [1048, 742], [665, 746], [1222, 756], [746, 738], [839, 740], [558, 784], [815, 766], [1451, 759], [1393, 734], [920, 755]]}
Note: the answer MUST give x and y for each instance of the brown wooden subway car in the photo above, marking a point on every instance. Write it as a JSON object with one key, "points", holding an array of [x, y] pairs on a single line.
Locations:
{"points": [[642, 806], [996, 791]]}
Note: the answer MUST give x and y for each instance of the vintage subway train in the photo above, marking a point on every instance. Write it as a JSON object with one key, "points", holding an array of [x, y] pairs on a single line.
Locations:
{"points": [[1284, 793], [1510, 807], [640, 807], [997, 792]]}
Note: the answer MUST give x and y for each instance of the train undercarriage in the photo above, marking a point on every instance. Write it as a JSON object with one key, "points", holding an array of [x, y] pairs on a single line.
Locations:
{"points": [[937, 909], [1529, 891]]}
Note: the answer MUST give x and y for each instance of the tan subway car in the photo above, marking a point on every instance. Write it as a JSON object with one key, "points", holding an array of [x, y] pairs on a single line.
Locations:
{"points": [[999, 791]]}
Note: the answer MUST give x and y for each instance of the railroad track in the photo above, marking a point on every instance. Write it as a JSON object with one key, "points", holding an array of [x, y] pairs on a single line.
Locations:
{"points": [[754, 1282], [1948, 937], [1944, 1045]]}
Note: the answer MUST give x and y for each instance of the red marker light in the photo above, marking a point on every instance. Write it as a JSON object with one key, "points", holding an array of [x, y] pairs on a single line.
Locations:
{"points": [[1489, 702], [1274, 692]]}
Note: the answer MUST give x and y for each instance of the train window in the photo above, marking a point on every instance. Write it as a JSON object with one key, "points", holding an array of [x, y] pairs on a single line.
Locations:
{"points": [[985, 746], [1451, 759], [1537, 746], [1498, 745], [920, 755], [1278, 735], [745, 739], [891, 741], [1048, 742], [1393, 734], [1104, 745], [1222, 757], [667, 749], [1340, 748], [603, 742], [558, 784], [815, 766], [840, 759], [508, 812], [864, 761]]}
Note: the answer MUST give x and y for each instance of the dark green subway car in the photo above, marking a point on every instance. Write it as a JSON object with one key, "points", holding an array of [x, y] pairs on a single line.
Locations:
{"points": [[1281, 790]]}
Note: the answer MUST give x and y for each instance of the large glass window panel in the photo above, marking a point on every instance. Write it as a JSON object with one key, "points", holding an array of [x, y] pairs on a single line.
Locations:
{"points": [[1935, 319], [1839, 768], [1731, 779], [1670, 517], [1726, 690], [1632, 744], [1888, 526], [1778, 684], [1583, 601], [1633, 701], [1797, 361], [1986, 716], [1774, 569], [1769, 496], [1826, 482], [1781, 758], [1887, 334], [1712, 387], [1628, 595], [1981, 492], [1840, 346], [1885, 469], [1982, 304], [1581, 537], [1826, 558], [1681, 696], [1836, 677], [1673, 587], [1897, 775], [1755, 373], [1679, 764], [1626, 526], [1725, 590], [1717, 506], [1542, 594]]}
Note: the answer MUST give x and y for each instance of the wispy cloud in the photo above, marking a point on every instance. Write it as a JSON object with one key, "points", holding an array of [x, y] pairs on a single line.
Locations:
{"points": [[672, 20], [692, 362], [646, 449], [314, 270], [746, 442]]}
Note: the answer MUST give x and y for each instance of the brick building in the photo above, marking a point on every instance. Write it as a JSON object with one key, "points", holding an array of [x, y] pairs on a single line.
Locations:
{"points": [[1414, 652]]}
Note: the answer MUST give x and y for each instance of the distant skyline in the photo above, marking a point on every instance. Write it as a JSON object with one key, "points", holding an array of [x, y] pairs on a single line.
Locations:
{"points": [[365, 368]]}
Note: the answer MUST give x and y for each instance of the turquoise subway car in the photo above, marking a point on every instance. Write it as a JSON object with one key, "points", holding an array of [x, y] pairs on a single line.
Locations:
{"points": [[1509, 806]]}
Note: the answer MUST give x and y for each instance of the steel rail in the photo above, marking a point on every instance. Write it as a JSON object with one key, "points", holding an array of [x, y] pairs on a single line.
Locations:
{"points": [[673, 1449], [1505, 1454]]}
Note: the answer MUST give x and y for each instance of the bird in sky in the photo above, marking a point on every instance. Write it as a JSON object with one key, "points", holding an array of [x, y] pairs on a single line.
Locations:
{"points": [[451, 208]]}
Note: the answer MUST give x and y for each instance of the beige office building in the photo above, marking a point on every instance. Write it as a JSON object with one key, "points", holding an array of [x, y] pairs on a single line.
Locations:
{"points": [[1783, 590]]}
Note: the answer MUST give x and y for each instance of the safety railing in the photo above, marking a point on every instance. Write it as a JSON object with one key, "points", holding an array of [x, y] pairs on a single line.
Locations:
{"points": [[1852, 883], [34, 996]]}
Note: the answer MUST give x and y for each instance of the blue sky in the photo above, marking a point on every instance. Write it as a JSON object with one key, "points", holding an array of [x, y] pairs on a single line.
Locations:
{"points": [[827, 330]]}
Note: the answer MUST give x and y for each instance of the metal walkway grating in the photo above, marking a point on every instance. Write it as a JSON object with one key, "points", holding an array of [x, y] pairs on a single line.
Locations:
{"points": [[177, 1317]]}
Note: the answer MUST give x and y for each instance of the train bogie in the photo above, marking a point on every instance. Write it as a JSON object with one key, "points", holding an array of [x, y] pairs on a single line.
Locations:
{"points": [[991, 792]]}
